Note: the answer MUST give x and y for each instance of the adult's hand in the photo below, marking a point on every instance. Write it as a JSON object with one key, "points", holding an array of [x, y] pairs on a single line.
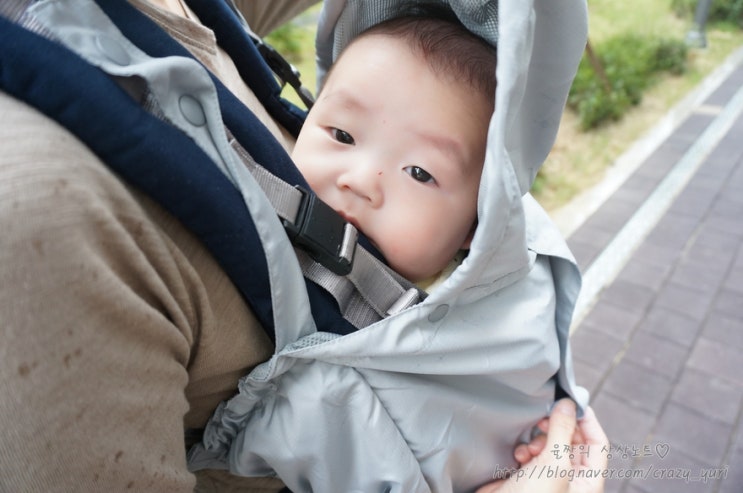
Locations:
{"points": [[550, 472]]}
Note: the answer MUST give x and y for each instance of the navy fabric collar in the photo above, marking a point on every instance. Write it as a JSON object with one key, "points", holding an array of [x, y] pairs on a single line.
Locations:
{"points": [[248, 130], [155, 157]]}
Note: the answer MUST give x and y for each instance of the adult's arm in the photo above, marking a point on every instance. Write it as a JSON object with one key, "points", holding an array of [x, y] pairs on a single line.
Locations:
{"points": [[117, 328]]}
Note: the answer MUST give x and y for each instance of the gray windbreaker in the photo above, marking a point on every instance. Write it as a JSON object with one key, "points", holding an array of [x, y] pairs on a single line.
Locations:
{"points": [[435, 397]]}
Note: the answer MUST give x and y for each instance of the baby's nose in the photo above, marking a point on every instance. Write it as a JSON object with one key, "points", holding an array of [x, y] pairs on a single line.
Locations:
{"points": [[364, 181]]}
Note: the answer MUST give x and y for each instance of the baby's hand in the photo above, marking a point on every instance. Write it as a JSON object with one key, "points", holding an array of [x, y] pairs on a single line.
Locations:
{"points": [[524, 452], [587, 432]]}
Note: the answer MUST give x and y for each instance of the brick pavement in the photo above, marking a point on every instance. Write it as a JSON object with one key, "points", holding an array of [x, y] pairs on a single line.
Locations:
{"points": [[660, 349]]}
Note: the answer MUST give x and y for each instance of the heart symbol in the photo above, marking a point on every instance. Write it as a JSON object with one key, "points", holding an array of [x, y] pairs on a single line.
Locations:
{"points": [[662, 450]]}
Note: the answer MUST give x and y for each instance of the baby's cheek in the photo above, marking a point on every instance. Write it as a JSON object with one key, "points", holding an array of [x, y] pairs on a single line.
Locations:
{"points": [[314, 180], [394, 251], [412, 260]]}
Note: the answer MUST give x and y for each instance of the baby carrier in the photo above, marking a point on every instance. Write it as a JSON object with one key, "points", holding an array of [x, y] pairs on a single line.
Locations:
{"points": [[394, 391]]}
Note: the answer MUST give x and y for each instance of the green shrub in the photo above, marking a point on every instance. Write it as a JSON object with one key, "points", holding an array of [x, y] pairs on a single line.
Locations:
{"points": [[720, 10], [727, 10], [630, 63], [684, 8], [669, 56]]}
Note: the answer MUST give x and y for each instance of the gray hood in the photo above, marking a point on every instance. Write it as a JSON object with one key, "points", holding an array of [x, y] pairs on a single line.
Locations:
{"points": [[539, 46]]}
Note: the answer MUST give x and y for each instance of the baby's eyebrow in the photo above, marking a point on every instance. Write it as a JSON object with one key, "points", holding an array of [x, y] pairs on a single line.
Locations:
{"points": [[446, 145], [348, 100]]}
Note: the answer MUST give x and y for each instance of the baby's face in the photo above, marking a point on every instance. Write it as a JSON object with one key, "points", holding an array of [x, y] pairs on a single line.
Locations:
{"points": [[397, 151]]}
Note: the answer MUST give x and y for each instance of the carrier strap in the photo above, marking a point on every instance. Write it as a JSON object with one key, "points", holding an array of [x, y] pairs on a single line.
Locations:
{"points": [[29, 63], [365, 289], [365, 296]]}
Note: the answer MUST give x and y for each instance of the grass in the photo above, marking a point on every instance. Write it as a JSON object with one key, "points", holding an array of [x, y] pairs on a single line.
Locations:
{"points": [[579, 159], [609, 18]]}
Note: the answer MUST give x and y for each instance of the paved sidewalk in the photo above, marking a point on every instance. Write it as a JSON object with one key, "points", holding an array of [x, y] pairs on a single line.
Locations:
{"points": [[659, 345]]}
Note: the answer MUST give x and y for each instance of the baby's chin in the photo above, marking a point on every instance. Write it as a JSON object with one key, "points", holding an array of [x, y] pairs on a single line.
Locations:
{"points": [[411, 274], [402, 267]]}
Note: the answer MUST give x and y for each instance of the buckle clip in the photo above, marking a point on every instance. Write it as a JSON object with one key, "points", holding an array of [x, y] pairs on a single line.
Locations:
{"points": [[323, 233], [285, 71]]}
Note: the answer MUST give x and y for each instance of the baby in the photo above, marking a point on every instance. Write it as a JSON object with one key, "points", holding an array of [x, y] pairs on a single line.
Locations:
{"points": [[433, 397], [396, 140]]}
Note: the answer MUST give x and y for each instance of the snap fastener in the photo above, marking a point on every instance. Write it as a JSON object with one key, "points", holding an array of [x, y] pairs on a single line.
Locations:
{"points": [[438, 313], [112, 50], [192, 110]]}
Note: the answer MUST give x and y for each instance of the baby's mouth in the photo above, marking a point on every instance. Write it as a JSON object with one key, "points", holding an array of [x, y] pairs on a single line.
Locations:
{"points": [[349, 219], [355, 222]]}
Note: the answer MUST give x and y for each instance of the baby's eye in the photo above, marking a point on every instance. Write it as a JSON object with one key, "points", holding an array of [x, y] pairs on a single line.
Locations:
{"points": [[419, 174], [342, 136]]}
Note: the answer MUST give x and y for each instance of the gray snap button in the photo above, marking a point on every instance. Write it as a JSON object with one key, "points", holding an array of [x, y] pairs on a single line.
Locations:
{"points": [[192, 110], [112, 50], [438, 313]]}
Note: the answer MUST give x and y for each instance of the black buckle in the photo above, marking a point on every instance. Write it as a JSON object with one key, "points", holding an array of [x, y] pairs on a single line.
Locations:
{"points": [[323, 233], [285, 71]]}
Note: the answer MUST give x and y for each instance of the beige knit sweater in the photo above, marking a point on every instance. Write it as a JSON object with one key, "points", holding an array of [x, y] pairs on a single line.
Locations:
{"points": [[117, 328]]}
